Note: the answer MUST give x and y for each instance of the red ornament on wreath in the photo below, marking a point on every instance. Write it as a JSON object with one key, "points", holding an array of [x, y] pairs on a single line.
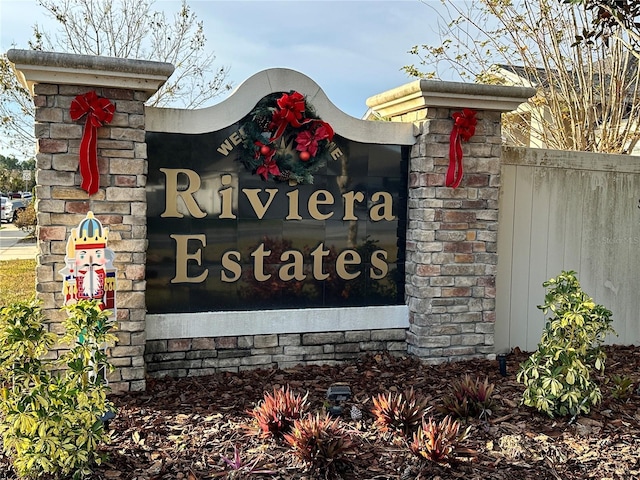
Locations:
{"points": [[265, 150], [99, 111], [305, 156]]}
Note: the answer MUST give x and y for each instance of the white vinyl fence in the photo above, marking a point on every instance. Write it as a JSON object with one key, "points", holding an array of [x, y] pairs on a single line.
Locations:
{"points": [[567, 211]]}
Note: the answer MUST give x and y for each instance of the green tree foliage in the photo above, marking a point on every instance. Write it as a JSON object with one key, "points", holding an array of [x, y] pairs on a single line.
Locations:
{"points": [[11, 169], [557, 376], [588, 96], [125, 29], [50, 422], [609, 16]]}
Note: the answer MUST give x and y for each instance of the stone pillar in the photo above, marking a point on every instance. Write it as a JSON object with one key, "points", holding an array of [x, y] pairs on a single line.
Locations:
{"points": [[120, 204], [451, 251]]}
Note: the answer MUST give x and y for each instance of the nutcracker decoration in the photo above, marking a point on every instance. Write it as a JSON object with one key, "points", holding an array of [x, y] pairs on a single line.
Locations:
{"points": [[89, 273]]}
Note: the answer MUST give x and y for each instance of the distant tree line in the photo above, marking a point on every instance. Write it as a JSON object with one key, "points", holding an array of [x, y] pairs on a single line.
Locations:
{"points": [[11, 176]]}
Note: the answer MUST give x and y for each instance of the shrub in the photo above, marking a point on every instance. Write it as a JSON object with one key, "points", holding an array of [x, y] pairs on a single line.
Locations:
{"points": [[26, 219], [402, 412], [276, 413], [52, 420], [321, 443], [557, 376], [437, 441], [469, 398]]}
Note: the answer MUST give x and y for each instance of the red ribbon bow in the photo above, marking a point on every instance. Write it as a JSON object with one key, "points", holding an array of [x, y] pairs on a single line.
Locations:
{"points": [[99, 111], [464, 127], [291, 109]]}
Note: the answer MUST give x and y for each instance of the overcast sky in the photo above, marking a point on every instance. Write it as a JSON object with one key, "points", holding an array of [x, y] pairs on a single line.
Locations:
{"points": [[352, 49]]}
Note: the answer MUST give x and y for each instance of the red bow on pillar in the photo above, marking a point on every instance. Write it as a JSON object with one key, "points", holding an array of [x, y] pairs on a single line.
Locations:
{"points": [[464, 126], [99, 111]]}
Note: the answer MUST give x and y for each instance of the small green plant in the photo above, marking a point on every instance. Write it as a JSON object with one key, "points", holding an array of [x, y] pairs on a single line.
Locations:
{"points": [[622, 387], [557, 376], [400, 412], [51, 411], [321, 444], [469, 398], [276, 412], [438, 441]]}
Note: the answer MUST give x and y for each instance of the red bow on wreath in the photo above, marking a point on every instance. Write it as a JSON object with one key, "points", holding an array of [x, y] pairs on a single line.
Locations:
{"points": [[291, 109], [464, 126], [99, 111]]}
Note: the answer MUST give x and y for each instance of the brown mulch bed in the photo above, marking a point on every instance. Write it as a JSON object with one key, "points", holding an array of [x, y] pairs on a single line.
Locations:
{"points": [[180, 429]]}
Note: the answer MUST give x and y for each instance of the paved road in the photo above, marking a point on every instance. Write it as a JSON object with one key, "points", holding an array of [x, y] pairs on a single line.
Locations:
{"points": [[10, 246]]}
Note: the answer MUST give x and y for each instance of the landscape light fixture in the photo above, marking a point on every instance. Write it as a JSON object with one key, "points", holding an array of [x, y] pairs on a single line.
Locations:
{"points": [[502, 363], [337, 393]]}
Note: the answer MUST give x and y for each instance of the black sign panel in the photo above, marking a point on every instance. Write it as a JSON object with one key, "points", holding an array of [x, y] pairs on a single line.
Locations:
{"points": [[222, 238]]}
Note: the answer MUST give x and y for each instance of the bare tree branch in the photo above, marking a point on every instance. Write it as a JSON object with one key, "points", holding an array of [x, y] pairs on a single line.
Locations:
{"points": [[118, 28], [587, 94]]}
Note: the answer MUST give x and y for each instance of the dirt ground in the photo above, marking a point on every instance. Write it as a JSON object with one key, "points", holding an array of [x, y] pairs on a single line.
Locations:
{"points": [[181, 429]]}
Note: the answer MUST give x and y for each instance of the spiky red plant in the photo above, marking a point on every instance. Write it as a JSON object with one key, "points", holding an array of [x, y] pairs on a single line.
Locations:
{"points": [[437, 441], [469, 398], [321, 443], [397, 411], [277, 411]]}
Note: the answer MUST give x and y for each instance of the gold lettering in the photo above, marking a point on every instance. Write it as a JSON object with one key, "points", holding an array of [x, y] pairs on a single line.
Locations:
{"points": [[314, 201], [182, 257], [337, 153], [384, 210], [293, 205], [225, 147], [380, 264], [254, 199], [342, 262], [294, 270], [317, 255], [172, 193], [235, 138], [226, 195], [232, 265], [258, 263], [349, 204]]}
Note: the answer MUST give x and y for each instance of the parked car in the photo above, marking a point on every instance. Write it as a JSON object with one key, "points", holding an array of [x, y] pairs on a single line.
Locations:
{"points": [[26, 196], [6, 210]]}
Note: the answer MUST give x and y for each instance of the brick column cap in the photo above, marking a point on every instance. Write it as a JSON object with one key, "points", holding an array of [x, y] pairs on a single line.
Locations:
{"points": [[34, 66], [421, 94]]}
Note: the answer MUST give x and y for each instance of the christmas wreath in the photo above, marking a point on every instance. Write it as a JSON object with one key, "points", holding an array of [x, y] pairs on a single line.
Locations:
{"points": [[284, 139]]}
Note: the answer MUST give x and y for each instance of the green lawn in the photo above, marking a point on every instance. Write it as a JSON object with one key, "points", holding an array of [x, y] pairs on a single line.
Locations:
{"points": [[17, 280]]}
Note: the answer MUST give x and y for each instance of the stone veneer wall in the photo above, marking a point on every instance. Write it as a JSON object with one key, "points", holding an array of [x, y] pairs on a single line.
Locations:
{"points": [[452, 241], [451, 251], [205, 356], [120, 205]]}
